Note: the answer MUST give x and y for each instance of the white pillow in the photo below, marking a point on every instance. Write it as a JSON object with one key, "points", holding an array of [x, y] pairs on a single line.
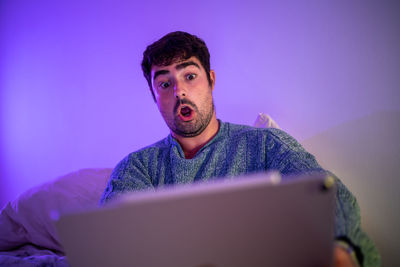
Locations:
{"points": [[27, 220], [265, 121]]}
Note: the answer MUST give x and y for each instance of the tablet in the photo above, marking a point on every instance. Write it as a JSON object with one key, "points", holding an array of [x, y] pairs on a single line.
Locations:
{"points": [[253, 220]]}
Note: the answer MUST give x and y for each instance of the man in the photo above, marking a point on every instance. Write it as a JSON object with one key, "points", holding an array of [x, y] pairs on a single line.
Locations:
{"points": [[200, 147]]}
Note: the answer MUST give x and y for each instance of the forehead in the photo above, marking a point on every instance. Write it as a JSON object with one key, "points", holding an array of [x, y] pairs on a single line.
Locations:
{"points": [[176, 65]]}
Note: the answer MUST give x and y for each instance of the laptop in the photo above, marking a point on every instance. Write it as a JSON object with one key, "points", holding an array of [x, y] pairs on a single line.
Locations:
{"points": [[254, 220]]}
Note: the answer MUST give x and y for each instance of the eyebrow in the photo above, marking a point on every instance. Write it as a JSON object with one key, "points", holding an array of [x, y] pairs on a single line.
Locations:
{"points": [[177, 67], [160, 72], [185, 64]]}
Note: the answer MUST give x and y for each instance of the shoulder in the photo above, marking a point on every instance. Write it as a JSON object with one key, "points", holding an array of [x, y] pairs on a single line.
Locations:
{"points": [[236, 130], [272, 134], [275, 141]]}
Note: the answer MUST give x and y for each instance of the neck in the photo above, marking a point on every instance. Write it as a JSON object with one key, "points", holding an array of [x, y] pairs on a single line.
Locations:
{"points": [[191, 145]]}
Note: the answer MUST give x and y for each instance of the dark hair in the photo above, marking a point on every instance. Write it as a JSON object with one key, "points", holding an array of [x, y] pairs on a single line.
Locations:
{"points": [[175, 46]]}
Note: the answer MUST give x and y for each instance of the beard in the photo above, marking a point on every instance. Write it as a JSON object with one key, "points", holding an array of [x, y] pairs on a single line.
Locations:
{"points": [[194, 127]]}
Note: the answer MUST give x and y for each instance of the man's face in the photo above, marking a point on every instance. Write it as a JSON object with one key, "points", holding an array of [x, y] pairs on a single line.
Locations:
{"points": [[184, 96]]}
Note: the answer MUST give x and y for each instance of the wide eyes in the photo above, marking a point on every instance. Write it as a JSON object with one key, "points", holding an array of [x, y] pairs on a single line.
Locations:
{"points": [[165, 85], [190, 76]]}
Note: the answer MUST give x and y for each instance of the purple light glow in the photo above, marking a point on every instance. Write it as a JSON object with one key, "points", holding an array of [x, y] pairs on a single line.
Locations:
{"points": [[73, 95]]}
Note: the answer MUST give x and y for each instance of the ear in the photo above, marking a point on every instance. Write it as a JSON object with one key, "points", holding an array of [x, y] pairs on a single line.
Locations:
{"points": [[212, 77]]}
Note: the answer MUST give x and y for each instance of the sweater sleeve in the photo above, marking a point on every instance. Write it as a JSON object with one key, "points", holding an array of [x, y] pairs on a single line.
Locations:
{"points": [[287, 156], [129, 175]]}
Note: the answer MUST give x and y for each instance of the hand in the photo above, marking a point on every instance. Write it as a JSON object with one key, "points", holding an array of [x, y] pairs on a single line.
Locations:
{"points": [[341, 258]]}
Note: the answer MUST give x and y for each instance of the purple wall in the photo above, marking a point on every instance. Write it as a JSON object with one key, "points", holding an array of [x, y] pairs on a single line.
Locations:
{"points": [[73, 95]]}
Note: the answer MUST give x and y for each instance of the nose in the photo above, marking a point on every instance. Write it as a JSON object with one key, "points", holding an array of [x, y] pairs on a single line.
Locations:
{"points": [[180, 90]]}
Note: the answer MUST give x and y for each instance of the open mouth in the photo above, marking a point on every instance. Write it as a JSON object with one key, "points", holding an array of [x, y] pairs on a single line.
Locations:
{"points": [[185, 112]]}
